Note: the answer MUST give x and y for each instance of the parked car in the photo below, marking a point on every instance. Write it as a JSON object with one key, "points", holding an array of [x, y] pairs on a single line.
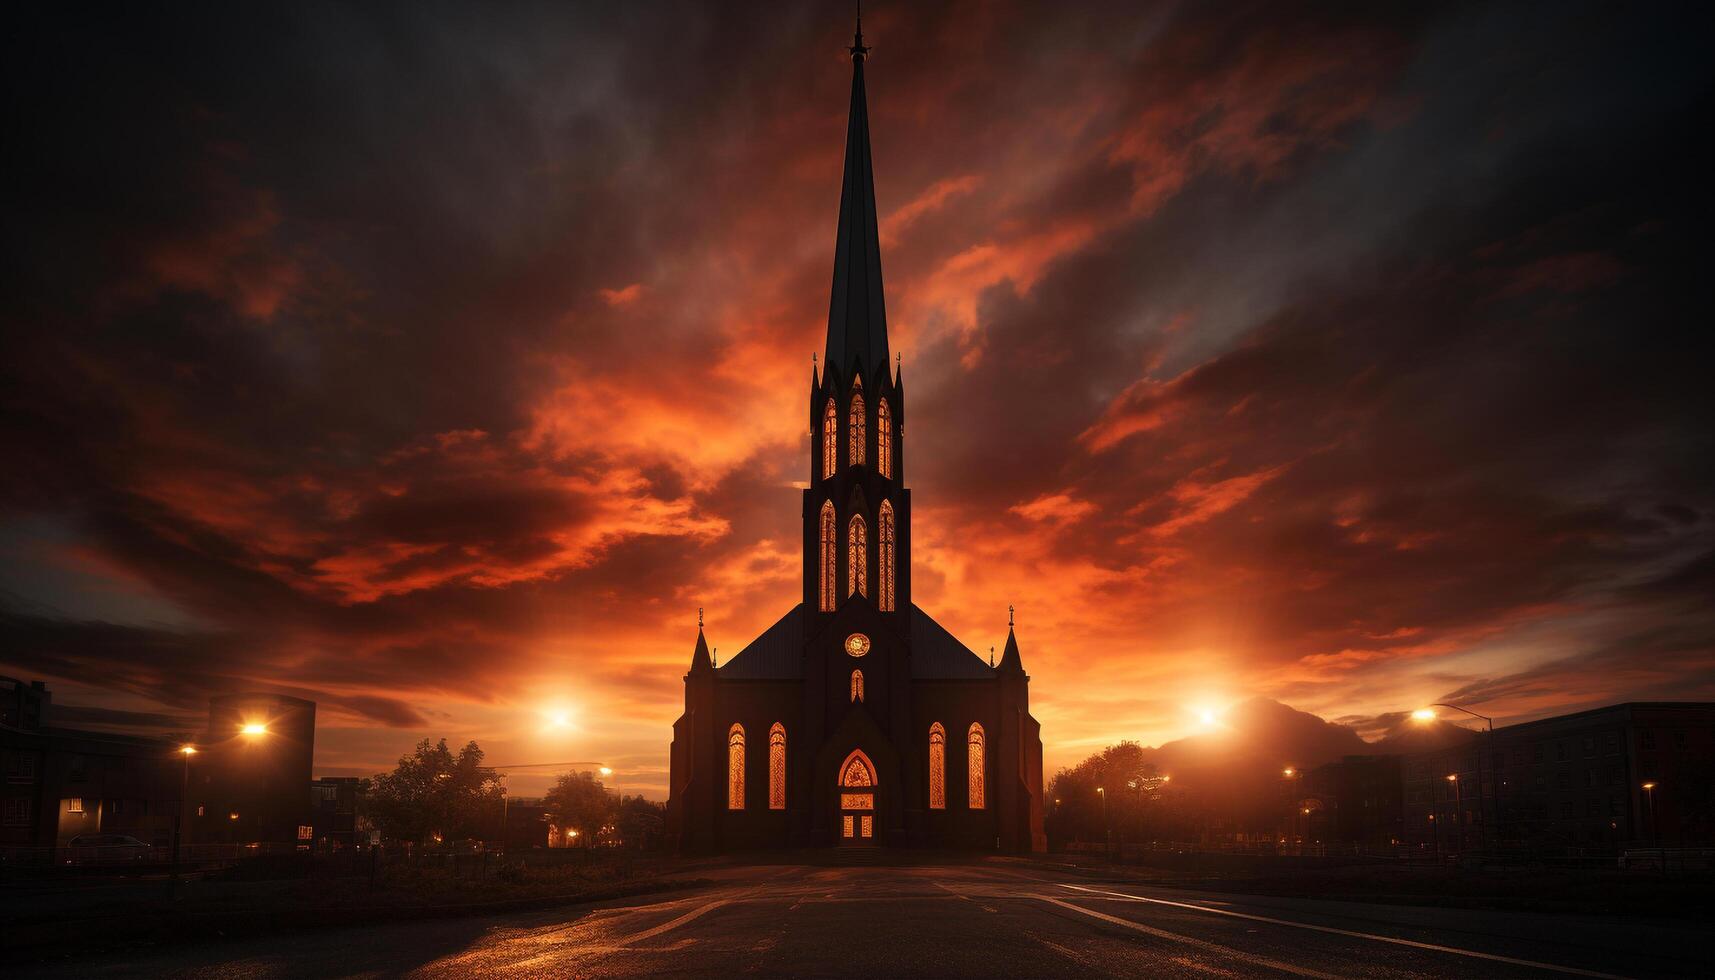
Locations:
{"points": [[106, 849]]}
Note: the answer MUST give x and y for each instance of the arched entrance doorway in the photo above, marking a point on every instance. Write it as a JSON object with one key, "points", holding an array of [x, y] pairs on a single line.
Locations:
{"points": [[857, 800]]}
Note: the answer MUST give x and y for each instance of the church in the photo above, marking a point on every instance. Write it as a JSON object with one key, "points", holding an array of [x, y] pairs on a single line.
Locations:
{"points": [[856, 720]]}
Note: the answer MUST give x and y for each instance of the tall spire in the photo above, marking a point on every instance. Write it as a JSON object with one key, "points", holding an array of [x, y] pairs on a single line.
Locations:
{"points": [[857, 317], [1009, 658]]}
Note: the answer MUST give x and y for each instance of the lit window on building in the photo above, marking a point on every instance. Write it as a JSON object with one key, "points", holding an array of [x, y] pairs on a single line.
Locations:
{"points": [[884, 567], [857, 556], [74, 805], [830, 440], [883, 439], [857, 686], [777, 767], [735, 768], [975, 743], [937, 767], [830, 548], [856, 426]]}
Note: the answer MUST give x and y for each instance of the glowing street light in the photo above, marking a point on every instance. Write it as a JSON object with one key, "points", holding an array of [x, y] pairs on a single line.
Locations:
{"points": [[1289, 772], [188, 750], [253, 729]]}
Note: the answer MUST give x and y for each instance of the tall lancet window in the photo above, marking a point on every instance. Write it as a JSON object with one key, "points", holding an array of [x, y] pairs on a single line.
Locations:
{"points": [[857, 557], [883, 439], [974, 742], [777, 767], [735, 767], [857, 435], [830, 440], [937, 767], [884, 563], [830, 537], [857, 686]]}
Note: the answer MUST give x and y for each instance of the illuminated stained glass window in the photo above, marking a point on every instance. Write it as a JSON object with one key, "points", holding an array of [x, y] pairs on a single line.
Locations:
{"points": [[847, 825], [830, 548], [857, 771], [884, 564], [857, 685], [884, 439], [857, 801], [975, 744], [777, 767], [937, 767], [857, 435], [830, 440], [735, 767], [867, 822], [857, 557]]}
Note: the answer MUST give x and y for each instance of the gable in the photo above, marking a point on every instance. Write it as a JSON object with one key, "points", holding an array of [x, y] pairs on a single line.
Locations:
{"points": [[938, 654], [776, 654]]}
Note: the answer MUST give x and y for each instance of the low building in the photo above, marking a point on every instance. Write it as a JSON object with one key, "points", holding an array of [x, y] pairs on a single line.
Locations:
{"points": [[1598, 778], [333, 803], [1358, 800], [62, 783]]}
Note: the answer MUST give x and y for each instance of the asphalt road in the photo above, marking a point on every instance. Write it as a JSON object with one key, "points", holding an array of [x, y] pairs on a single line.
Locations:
{"points": [[977, 920]]}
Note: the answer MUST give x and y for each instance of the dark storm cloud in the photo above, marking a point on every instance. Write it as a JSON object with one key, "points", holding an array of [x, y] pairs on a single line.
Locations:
{"points": [[433, 360]]}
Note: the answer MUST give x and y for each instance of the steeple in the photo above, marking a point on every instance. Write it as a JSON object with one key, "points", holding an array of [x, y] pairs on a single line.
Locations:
{"points": [[857, 318], [1009, 658], [700, 658]]}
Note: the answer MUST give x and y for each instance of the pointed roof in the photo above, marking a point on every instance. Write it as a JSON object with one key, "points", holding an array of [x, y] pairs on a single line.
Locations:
{"points": [[700, 658], [1009, 658], [857, 317]]}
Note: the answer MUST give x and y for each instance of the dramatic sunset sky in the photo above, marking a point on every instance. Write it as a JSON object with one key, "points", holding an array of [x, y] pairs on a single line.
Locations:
{"points": [[437, 362]]}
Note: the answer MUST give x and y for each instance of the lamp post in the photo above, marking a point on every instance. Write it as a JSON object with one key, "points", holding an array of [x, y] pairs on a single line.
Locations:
{"points": [[1428, 714], [1107, 834], [1655, 828], [1297, 777], [185, 751], [601, 767], [1458, 810]]}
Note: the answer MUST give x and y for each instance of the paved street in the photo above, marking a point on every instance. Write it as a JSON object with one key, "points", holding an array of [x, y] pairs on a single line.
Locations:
{"points": [[981, 919]]}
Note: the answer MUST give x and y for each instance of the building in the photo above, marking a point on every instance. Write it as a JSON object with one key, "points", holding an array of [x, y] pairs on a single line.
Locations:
{"points": [[856, 718], [244, 787], [1358, 800], [1597, 778], [333, 804]]}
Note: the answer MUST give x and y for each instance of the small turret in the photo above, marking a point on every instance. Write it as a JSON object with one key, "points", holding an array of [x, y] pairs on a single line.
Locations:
{"points": [[1010, 661], [701, 659]]}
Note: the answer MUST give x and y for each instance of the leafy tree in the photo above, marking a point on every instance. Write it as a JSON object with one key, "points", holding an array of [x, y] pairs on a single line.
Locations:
{"points": [[433, 793], [641, 822], [581, 803]]}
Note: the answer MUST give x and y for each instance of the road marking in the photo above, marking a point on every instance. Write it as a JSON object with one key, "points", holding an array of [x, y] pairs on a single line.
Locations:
{"points": [[1202, 944], [671, 924], [1435, 947]]}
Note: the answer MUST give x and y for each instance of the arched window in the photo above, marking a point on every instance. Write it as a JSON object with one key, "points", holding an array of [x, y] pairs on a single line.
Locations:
{"points": [[830, 440], [974, 742], [857, 686], [856, 425], [937, 767], [735, 767], [777, 767], [830, 549], [884, 565], [883, 439], [856, 771], [857, 557]]}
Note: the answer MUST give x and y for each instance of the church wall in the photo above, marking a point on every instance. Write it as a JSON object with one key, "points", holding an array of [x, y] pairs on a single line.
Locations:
{"points": [[756, 705], [955, 704]]}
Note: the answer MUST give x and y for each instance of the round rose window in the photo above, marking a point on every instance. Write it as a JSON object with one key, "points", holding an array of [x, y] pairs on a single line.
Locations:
{"points": [[857, 644]]}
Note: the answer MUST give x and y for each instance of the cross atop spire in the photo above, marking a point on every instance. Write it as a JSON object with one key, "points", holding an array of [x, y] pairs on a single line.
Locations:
{"points": [[857, 316]]}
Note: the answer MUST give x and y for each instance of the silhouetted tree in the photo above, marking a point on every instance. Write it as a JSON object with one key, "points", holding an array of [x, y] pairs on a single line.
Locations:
{"points": [[581, 803], [641, 822], [434, 793]]}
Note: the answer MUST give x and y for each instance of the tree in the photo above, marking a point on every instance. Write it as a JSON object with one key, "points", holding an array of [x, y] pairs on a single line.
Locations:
{"points": [[641, 822], [581, 803], [434, 795]]}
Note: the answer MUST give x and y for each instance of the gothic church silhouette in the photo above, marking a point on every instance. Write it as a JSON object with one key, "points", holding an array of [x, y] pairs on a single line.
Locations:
{"points": [[856, 720]]}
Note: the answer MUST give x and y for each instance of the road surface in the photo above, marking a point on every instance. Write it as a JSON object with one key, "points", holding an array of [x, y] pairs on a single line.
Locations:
{"points": [[976, 920]]}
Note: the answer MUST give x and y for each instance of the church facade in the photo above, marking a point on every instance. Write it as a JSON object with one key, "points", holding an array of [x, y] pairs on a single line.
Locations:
{"points": [[856, 719]]}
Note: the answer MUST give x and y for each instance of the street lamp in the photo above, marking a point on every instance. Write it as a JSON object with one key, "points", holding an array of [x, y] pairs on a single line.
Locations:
{"points": [[1426, 714], [1458, 807], [1292, 773], [186, 751], [1107, 833], [1655, 828], [253, 729]]}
